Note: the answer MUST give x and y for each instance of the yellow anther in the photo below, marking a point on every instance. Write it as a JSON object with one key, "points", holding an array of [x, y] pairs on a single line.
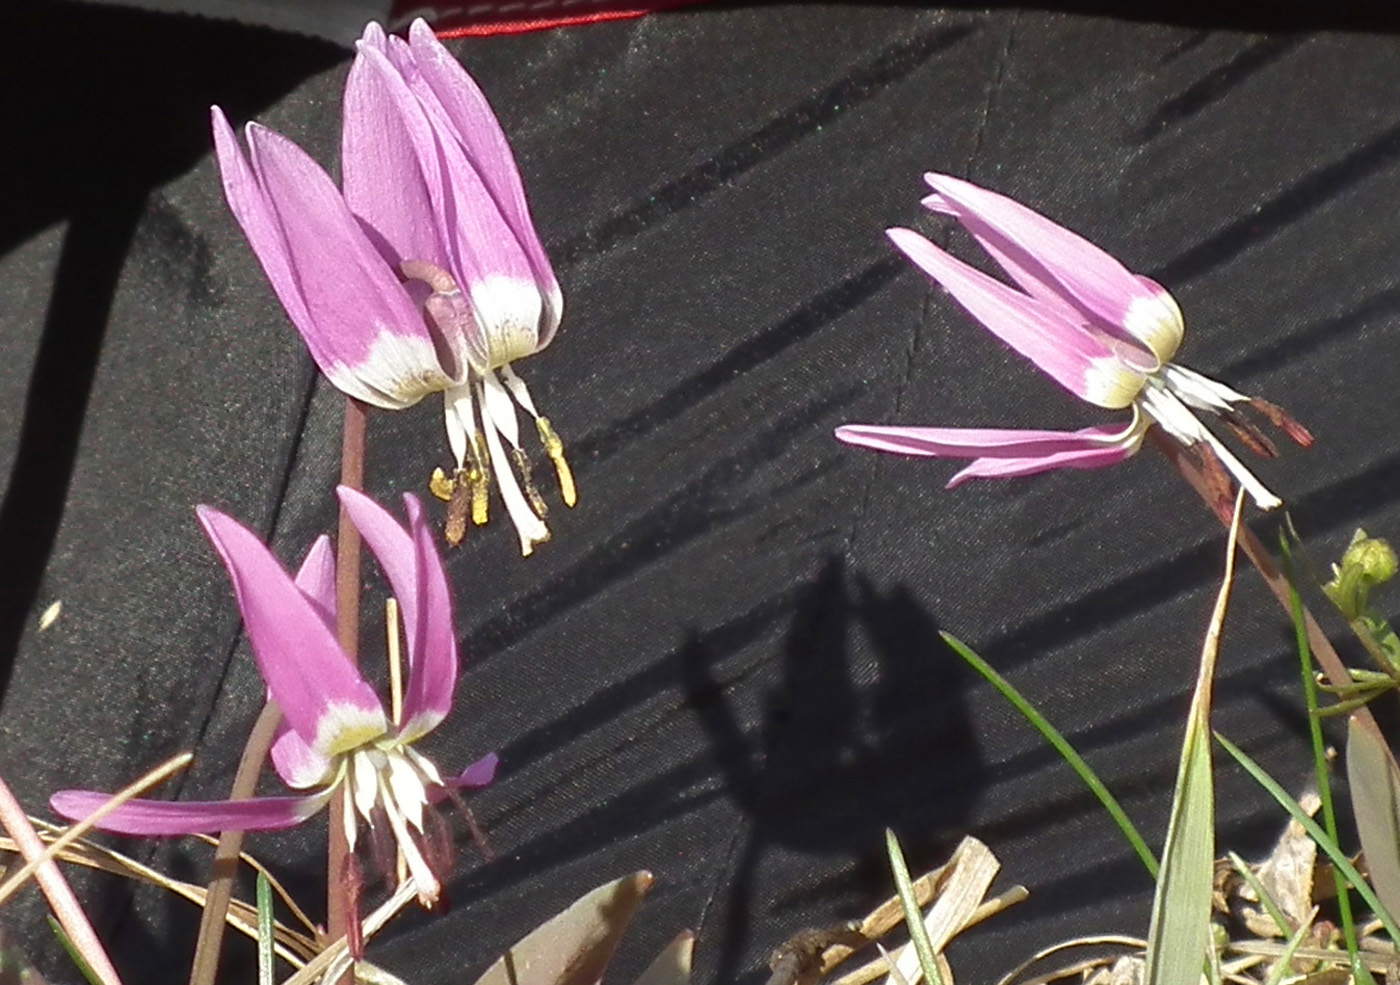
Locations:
{"points": [[441, 486], [555, 449], [478, 475], [481, 498]]}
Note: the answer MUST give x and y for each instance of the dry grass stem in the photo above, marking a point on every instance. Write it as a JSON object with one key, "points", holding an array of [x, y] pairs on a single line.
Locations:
{"points": [[55, 888]]}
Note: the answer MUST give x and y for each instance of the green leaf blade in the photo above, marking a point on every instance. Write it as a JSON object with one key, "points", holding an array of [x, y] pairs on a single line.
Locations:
{"points": [[913, 917], [1375, 799]]}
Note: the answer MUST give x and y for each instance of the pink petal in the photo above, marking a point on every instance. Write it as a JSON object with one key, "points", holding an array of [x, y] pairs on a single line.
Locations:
{"points": [[263, 227], [1081, 361], [374, 36], [296, 763], [174, 817], [1048, 260], [1085, 458], [482, 140], [384, 183], [299, 766], [979, 442], [318, 688], [479, 774], [487, 260], [411, 563], [362, 324], [316, 577]]}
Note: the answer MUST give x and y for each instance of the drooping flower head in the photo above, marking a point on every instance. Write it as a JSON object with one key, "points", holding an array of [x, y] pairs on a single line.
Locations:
{"points": [[425, 275], [335, 737], [1102, 332]]}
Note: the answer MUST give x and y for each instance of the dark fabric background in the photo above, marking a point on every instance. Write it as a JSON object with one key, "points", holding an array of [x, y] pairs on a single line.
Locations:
{"points": [[725, 667]]}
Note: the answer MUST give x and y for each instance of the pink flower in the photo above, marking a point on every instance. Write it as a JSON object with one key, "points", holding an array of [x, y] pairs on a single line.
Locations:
{"points": [[335, 736], [427, 274], [1105, 334]]}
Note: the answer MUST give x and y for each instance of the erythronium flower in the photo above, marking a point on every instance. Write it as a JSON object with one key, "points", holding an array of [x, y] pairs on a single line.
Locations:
{"points": [[426, 275], [1102, 332], [335, 737]]}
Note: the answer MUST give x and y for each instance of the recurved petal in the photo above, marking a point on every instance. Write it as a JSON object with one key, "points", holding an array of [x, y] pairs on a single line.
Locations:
{"points": [[1091, 457], [361, 320], [173, 817], [484, 144], [1086, 275], [385, 183], [1081, 361], [263, 226], [316, 577], [1098, 447], [488, 261], [478, 774], [296, 763], [321, 693], [411, 563], [980, 442], [299, 766]]}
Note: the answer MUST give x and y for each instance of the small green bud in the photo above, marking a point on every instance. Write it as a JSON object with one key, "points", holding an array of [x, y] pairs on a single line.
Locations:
{"points": [[1366, 563], [1374, 557]]}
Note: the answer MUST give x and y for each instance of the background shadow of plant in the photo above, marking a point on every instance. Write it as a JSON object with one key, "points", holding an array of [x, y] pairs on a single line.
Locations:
{"points": [[866, 727]]}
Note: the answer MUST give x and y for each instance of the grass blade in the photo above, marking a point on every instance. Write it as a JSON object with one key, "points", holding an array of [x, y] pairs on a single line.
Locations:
{"points": [[1179, 933], [266, 957], [1314, 830], [74, 954], [1284, 965], [913, 917], [1319, 747], [1266, 899], [1061, 745]]}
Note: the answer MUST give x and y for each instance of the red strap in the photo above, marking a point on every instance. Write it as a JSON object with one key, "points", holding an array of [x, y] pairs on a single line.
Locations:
{"points": [[477, 18]]}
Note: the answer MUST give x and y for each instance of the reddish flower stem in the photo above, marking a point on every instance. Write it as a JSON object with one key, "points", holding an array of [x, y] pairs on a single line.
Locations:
{"points": [[347, 628], [1322, 650]]}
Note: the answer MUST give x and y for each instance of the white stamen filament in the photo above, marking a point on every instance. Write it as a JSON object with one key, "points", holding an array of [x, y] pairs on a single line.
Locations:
{"points": [[1199, 391], [518, 390], [424, 766], [395, 778], [500, 420], [460, 418], [364, 781], [428, 885], [347, 812], [1168, 410], [406, 786], [497, 409]]}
